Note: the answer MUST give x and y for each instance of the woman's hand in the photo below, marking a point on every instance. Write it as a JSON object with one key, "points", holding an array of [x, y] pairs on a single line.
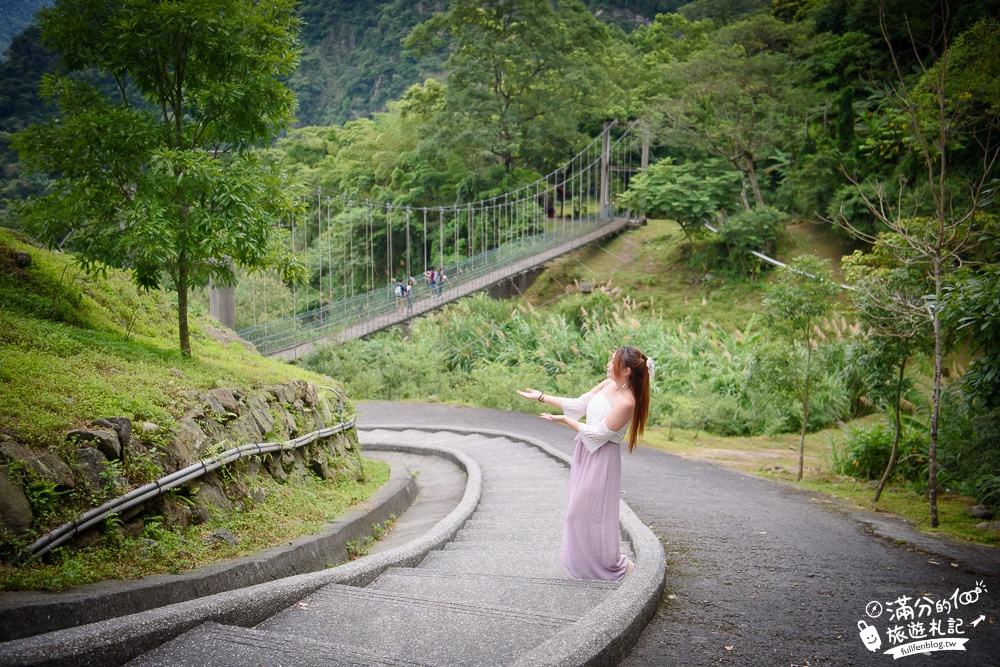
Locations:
{"points": [[562, 419], [530, 394]]}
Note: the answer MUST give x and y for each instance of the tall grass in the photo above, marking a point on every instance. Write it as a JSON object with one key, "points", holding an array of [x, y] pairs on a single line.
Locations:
{"points": [[480, 350]]}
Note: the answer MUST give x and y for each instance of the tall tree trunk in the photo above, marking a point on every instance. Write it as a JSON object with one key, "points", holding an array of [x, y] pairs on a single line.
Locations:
{"points": [[896, 436], [805, 411], [752, 175], [182, 306], [743, 195]]}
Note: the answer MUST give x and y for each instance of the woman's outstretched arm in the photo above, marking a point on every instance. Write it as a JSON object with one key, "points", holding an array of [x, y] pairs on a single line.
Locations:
{"points": [[535, 395], [563, 403], [616, 418]]}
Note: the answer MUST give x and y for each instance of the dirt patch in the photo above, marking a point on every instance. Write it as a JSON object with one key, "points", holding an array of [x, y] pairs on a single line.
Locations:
{"points": [[822, 240], [14, 262], [740, 455]]}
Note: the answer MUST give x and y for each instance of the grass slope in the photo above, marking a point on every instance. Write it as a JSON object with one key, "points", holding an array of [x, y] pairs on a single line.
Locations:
{"points": [[76, 348], [649, 264]]}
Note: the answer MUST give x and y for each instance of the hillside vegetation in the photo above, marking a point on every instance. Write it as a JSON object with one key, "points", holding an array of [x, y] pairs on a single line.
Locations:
{"points": [[76, 348], [719, 392]]}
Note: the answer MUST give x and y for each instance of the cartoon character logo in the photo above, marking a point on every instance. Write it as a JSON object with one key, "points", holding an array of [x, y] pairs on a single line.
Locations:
{"points": [[870, 637]]}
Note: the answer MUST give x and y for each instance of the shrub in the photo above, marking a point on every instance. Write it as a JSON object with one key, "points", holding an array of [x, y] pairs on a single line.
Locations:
{"points": [[969, 446], [757, 229], [866, 451]]}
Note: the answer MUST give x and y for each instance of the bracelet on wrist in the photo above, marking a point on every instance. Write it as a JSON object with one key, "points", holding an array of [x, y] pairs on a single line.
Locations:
{"points": [[540, 397]]}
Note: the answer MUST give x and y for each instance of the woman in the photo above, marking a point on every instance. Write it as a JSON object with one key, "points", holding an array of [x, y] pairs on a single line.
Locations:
{"points": [[590, 529]]}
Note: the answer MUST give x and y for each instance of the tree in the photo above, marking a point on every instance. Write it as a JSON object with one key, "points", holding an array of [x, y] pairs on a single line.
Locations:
{"points": [[795, 303], [160, 178], [722, 11], [888, 297], [518, 77], [933, 214], [691, 193], [738, 98], [977, 308]]}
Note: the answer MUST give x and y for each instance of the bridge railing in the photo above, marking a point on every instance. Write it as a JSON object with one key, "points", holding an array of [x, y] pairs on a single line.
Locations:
{"points": [[331, 319]]}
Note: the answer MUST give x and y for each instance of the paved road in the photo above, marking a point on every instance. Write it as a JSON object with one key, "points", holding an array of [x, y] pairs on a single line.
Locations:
{"points": [[762, 573]]}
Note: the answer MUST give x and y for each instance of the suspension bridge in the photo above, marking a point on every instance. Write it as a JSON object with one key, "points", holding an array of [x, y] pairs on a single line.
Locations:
{"points": [[356, 250]]}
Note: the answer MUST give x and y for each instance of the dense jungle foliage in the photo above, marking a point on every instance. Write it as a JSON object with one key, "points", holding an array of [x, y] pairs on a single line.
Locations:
{"points": [[880, 118], [352, 65]]}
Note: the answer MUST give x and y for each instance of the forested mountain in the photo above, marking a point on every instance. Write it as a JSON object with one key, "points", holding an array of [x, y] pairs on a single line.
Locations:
{"points": [[353, 61], [15, 16]]}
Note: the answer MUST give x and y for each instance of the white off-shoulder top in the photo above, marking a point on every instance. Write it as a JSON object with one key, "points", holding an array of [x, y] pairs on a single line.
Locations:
{"points": [[595, 432]]}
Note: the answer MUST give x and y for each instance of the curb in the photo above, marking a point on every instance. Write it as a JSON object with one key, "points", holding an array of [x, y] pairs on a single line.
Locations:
{"points": [[29, 614], [115, 641], [606, 633]]}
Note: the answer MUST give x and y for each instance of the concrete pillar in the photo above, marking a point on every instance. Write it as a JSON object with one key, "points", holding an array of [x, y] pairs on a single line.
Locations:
{"points": [[222, 303], [645, 149]]}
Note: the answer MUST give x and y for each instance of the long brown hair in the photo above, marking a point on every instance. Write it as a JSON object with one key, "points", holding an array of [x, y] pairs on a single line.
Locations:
{"points": [[638, 379]]}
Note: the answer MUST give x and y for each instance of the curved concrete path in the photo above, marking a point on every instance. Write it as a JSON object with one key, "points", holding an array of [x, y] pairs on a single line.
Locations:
{"points": [[762, 573], [470, 578], [494, 595]]}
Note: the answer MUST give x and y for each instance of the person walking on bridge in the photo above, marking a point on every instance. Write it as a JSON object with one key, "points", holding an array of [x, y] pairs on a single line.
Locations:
{"points": [[400, 291], [615, 409], [440, 277], [431, 276]]}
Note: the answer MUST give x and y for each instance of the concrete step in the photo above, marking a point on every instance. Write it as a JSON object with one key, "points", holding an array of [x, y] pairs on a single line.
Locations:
{"points": [[551, 480], [533, 523], [560, 597], [510, 534], [439, 438], [416, 628], [469, 561], [519, 483], [517, 455], [504, 515], [414, 437], [553, 547], [215, 645], [524, 501], [498, 513], [533, 472]]}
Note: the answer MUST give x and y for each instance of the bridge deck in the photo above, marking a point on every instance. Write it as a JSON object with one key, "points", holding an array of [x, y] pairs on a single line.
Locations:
{"points": [[455, 288]]}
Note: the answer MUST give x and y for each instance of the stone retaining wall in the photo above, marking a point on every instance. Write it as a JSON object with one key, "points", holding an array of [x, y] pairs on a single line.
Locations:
{"points": [[95, 460]]}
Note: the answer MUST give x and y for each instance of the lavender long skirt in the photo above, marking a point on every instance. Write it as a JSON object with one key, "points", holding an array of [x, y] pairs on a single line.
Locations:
{"points": [[590, 542]]}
